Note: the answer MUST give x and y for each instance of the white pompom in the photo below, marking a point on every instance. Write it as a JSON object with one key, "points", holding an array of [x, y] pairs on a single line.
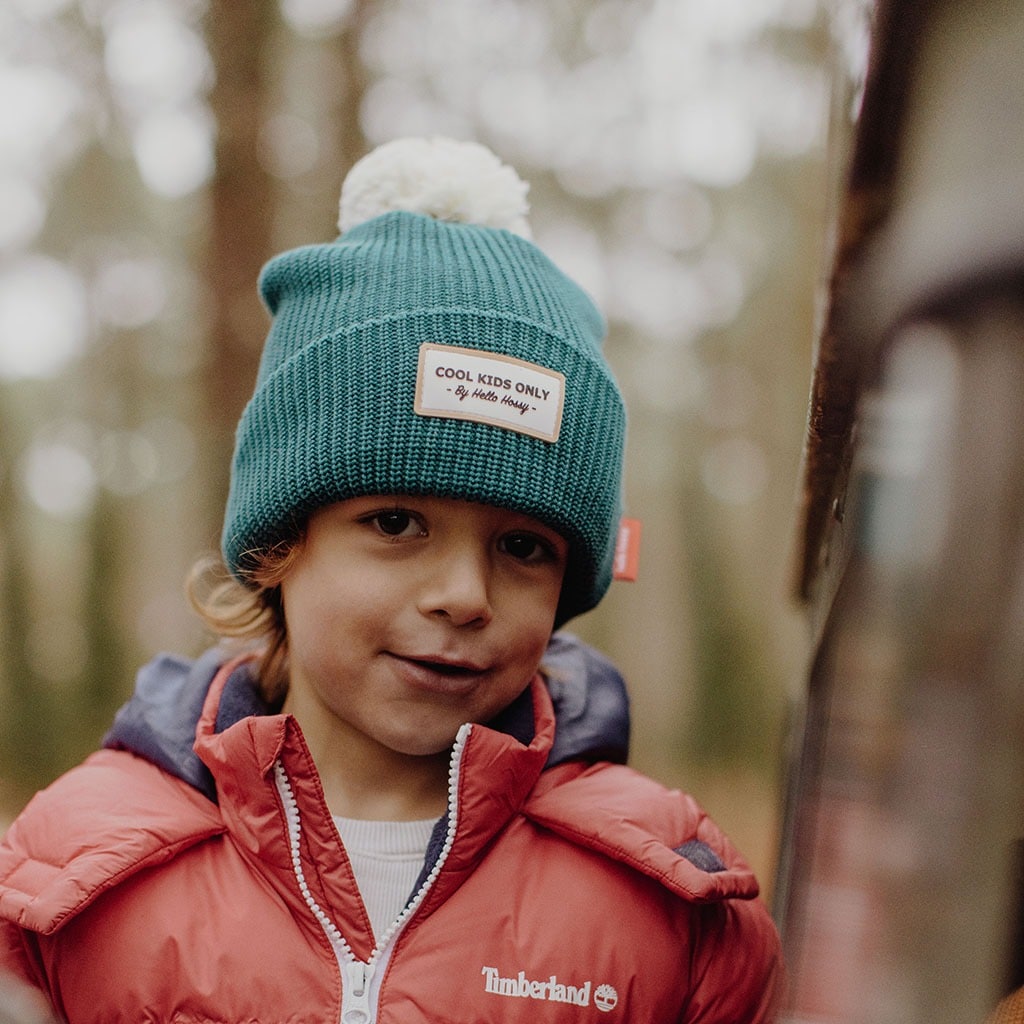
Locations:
{"points": [[444, 178]]}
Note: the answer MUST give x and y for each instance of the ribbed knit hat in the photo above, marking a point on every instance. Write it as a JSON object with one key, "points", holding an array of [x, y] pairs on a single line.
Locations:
{"points": [[420, 354]]}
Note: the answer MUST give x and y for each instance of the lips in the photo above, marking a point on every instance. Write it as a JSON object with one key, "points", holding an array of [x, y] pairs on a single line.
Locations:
{"points": [[438, 673], [445, 668], [448, 666]]}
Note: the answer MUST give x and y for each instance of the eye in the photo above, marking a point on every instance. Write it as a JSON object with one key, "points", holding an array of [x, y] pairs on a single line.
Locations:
{"points": [[527, 547], [396, 523]]}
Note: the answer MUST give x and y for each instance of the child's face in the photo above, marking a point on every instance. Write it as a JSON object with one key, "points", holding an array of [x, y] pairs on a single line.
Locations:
{"points": [[408, 616]]}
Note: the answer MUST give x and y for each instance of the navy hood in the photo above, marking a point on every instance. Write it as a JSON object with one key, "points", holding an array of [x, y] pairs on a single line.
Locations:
{"points": [[159, 722]]}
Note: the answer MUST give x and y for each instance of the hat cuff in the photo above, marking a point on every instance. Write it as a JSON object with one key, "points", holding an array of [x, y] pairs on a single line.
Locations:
{"points": [[337, 420]]}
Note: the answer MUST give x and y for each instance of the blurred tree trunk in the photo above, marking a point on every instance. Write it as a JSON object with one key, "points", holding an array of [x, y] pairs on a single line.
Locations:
{"points": [[240, 218], [252, 213], [21, 719]]}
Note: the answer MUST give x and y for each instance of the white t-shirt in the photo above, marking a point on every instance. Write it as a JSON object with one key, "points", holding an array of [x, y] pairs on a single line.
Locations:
{"points": [[387, 858]]}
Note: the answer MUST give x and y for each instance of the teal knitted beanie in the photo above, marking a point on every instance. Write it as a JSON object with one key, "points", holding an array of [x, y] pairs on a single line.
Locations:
{"points": [[418, 355]]}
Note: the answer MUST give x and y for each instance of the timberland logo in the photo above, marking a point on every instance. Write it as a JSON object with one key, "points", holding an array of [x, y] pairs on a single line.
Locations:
{"points": [[605, 997]]}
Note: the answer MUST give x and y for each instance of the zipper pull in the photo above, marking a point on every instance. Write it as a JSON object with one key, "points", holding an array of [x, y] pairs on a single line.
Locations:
{"points": [[355, 996]]}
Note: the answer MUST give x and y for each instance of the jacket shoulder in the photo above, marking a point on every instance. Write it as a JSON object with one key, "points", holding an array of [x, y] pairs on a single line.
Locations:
{"points": [[631, 818], [113, 815]]}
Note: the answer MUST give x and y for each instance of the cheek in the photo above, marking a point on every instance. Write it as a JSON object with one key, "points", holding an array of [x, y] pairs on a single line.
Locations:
{"points": [[544, 607], [313, 607], [533, 627]]}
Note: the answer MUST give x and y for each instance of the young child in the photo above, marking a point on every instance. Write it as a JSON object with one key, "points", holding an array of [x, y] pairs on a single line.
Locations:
{"points": [[410, 803]]}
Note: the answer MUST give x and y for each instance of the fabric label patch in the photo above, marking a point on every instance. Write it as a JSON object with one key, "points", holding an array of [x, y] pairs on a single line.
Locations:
{"points": [[467, 384], [627, 551]]}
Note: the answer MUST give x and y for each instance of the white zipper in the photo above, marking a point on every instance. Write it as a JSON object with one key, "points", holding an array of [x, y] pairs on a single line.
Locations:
{"points": [[355, 992], [360, 979]]}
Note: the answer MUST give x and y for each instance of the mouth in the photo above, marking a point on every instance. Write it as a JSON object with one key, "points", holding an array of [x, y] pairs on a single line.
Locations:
{"points": [[438, 673], [455, 669]]}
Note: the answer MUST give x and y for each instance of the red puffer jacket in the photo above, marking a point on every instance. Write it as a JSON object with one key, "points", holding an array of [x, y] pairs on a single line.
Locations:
{"points": [[569, 894]]}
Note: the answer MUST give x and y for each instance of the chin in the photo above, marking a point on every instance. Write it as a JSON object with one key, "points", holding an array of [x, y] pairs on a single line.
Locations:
{"points": [[421, 745]]}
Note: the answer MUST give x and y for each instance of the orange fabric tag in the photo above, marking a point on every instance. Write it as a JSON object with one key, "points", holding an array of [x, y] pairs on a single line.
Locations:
{"points": [[627, 551]]}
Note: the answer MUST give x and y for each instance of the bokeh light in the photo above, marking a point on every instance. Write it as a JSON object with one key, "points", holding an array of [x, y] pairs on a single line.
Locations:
{"points": [[174, 151], [129, 293], [59, 478], [152, 57], [316, 16], [42, 317], [22, 211]]}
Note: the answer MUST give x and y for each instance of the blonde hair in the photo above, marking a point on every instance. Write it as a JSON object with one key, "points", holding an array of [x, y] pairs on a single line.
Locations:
{"points": [[249, 614]]}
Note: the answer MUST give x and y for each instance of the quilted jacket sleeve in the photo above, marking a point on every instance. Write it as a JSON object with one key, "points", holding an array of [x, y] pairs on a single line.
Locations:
{"points": [[736, 973], [21, 981]]}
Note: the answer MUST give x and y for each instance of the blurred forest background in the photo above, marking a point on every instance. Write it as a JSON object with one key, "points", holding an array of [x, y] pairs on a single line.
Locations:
{"points": [[153, 153]]}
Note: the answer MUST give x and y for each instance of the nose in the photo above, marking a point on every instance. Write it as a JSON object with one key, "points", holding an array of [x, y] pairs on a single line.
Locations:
{"points": [[458, 586]]}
